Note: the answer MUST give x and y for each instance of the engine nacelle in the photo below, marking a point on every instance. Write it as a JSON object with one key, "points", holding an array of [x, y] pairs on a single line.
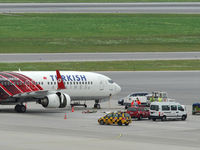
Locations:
{"points": [[58, 100]]}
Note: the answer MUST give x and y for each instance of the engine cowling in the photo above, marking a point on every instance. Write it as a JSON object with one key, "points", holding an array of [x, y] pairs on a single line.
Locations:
{"points": [[58, 100]]}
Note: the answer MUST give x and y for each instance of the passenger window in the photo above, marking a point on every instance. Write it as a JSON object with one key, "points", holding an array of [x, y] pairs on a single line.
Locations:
{"points": [[154, 107], [174, 107], [180, 108], [165, 107]]}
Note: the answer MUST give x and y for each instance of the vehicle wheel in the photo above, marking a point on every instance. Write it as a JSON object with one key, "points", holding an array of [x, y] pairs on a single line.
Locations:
{"points": [[122, 103], [119, 123], [154, 119], [126, 124], [149, 118], [126, 107], [101, 122], [183, 117], [193, 113], [164, 118], [140, 117]]}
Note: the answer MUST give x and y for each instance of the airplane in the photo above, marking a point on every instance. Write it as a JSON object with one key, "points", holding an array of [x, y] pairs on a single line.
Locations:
{"points": [[54, 89]]}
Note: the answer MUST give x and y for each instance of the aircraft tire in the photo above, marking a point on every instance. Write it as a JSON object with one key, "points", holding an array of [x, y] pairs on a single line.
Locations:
{"points": [[17, 108], [20, 108], [119, 123], [98, 106]]}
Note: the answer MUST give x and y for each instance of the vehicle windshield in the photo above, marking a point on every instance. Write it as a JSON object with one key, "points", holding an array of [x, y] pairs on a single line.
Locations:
{"points": [[139, 94], [111, 81], [132, 109], [126, 115], [154, 107]]}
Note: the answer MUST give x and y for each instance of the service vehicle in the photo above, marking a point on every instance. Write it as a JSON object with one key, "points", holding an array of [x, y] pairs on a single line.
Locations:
{"points": [[141, 96], [118, 118], [195, 108], [167, 110], [138, 112]]}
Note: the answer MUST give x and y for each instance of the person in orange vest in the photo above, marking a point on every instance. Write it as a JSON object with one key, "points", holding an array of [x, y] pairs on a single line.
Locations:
{"points": [[138, 101], [132, 103]]}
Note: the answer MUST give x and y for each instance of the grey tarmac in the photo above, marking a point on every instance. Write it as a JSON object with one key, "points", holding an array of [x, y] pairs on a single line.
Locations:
{"points": [[156, 8], [47, 129], [74, 57]]}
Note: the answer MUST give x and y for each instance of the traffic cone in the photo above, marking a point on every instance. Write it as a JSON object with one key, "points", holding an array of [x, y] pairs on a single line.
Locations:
{"points": [[72, 108], [65, 116]]}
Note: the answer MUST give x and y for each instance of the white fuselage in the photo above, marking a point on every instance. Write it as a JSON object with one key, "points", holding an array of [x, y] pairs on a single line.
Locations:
{"points": [[79, 85]]}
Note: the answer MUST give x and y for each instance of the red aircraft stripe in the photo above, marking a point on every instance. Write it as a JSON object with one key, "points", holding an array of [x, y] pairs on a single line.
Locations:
{"points": [[23, 87], [3, 94], [11, 82], [10, 94], [9, 86], [30, 82]]}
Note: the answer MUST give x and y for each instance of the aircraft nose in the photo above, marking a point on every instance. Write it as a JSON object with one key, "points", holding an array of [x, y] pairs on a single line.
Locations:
{"points": [[118, 88]]}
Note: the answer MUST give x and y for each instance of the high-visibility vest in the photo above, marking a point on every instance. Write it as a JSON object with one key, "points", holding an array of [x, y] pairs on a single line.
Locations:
{"points": [[132, 103], [160, 99]]}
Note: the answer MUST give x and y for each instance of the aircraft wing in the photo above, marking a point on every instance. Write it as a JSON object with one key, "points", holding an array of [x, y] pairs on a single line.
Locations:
{"points": [[34, 94]]}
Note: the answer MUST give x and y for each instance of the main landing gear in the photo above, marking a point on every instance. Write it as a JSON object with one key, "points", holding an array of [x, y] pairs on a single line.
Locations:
{"points": [[97, 105], [20, 108]]}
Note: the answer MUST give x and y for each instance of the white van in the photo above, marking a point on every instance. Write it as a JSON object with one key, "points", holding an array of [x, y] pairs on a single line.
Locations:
{"points": [[167, 110]]}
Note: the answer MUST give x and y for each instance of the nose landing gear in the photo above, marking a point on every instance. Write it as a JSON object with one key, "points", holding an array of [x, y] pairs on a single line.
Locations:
{"points": [[97, 105]]}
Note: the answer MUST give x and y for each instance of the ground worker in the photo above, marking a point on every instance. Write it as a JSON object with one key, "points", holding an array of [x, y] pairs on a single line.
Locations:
{"points": [[152, 99], [160, 99], [132, 103], [138, 101]]}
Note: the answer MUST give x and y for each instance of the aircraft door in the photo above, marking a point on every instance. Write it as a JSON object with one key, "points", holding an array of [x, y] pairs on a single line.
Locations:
{"points": [[101, 85]]}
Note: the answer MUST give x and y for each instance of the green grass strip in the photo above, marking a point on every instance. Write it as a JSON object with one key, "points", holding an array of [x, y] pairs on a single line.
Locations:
{"points": [[163, 65], [42, 33], [92, 1]]}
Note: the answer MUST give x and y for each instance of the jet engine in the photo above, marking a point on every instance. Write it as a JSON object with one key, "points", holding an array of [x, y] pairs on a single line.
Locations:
{"points": [[58, 100]]}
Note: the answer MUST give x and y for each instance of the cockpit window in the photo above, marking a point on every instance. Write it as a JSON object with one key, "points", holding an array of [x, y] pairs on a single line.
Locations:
{"points": [[110, 81]]}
